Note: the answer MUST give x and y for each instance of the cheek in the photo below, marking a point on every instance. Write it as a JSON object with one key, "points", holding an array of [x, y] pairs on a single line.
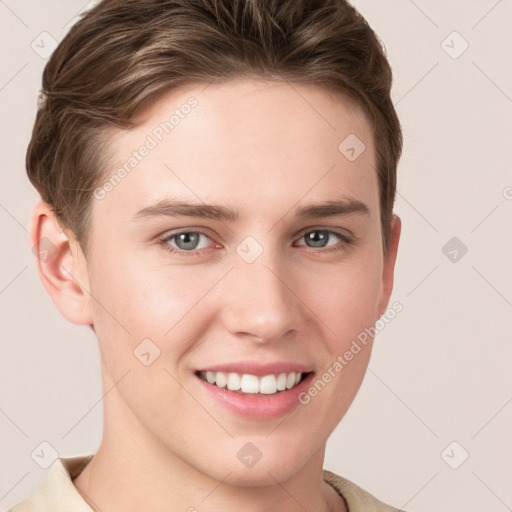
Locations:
{"points": [[135, 300], [346, 299]]}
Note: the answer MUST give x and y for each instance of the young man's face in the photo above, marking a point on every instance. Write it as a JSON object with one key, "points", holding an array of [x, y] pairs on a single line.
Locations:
{"points": [[269, 288]]}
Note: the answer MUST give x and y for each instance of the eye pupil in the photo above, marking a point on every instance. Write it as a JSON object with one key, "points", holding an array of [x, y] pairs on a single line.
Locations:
{"points": [[187, 240], [317, 238]]}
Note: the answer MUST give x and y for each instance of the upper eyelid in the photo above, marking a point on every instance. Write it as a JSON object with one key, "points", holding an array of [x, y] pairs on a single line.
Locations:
{"points": [[339, 231], [171, 234]]}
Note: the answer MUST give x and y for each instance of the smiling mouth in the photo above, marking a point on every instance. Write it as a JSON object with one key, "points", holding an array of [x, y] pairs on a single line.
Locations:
{"points": [[248, 384]]}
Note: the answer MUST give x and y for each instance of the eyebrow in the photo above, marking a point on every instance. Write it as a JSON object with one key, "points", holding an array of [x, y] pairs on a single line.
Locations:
{"points": [[172, 208]]}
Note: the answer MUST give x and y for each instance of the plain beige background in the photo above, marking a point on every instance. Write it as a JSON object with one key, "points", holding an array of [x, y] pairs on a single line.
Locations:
{"points": [[439, 384]]}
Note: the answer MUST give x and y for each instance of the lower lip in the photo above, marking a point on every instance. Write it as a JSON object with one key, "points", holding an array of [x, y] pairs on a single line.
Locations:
{"points": [[258, 407]]}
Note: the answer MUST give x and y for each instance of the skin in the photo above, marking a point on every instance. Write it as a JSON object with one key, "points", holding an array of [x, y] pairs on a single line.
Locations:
{"points": [[263, 149]]}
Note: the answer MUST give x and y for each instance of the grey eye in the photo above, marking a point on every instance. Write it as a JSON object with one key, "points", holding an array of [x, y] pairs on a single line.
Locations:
{"points": [[317, 238], [187, 241]]}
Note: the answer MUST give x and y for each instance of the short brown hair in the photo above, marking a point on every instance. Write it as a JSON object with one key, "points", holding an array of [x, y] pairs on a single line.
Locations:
{"points": [[123, 51]]}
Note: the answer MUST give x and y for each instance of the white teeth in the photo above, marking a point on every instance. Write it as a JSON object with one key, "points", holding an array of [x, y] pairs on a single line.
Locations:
{"points": [[281, 382], [268, 384], [247, 383], [221, 379], [250, 384], [233, 382]]}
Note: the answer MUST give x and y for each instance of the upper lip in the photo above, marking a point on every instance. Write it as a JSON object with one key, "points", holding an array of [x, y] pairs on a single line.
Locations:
{"points": [[259, 369]]}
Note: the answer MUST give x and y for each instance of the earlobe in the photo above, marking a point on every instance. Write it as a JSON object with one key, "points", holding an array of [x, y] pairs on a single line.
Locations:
{"points": [[388, 270], [61, 265]]}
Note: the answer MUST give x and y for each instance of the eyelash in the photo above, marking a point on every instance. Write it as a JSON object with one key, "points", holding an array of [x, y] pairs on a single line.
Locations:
{"points": [[345, 241]]}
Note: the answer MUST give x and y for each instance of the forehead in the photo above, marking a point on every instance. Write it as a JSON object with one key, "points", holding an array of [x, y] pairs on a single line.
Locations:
{"points": [[247, 140]]}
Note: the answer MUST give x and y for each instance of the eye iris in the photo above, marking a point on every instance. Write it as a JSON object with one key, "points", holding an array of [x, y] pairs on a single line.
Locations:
{"points": [[187, 240], [317, 238]]}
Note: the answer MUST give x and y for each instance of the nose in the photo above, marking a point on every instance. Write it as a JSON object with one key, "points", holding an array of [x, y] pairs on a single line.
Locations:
{"points": [[259, 302]]}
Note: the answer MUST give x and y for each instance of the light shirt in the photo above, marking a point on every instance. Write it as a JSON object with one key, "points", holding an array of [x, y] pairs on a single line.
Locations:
{"points": [[57, 493]]}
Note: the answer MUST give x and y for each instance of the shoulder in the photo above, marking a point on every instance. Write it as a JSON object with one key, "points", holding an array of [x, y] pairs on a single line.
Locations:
{"points": [[57, 493], [358, 500]]}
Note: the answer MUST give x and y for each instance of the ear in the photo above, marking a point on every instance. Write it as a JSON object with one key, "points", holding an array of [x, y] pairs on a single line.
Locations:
{"points": [[61, 265], [388, 270]]}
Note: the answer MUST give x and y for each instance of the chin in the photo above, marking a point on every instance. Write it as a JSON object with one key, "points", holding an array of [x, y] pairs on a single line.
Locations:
{"points": [[258, 462]]}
